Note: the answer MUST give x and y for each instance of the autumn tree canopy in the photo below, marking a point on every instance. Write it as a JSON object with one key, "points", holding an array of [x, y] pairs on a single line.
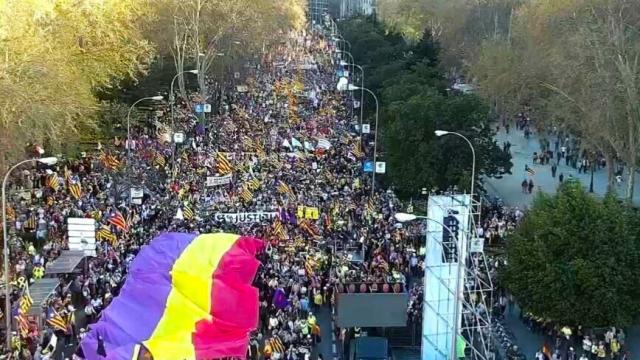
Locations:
{"points": [[57, 55]]}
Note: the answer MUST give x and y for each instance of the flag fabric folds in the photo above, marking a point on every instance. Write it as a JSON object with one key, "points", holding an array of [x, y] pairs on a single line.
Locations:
{"points": [[23, 325], [278, 229], [191, 296], [109, 161], [283, 188], [116, 219], [57, 321], [245, 194], [357, 151], [187, 212], [296, 143], [159, 160], [105, 234], [371, 207], [310, 228], [26, 301], [53, 182], [31, 222], [323, 144], [75, 190], [224, 166]]}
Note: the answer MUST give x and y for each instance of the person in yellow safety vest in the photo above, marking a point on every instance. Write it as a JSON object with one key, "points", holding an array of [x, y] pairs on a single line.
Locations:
{"points": [[311, 319], [615, 347], [304, 327], [602, 352]]}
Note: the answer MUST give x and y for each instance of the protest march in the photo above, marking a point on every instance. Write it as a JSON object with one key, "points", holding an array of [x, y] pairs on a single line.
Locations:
{"points": [[282, 163]]}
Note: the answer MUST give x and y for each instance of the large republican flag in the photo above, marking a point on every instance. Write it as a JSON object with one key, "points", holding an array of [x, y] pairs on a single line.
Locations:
{"points": [[186, 296]]}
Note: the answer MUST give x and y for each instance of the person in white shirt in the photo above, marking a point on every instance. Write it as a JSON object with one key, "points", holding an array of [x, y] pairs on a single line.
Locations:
{"points": [[586, 344]]}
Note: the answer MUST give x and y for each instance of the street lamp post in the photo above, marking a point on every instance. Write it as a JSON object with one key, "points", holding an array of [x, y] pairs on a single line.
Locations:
{"points": [[172, 101], [403, 217], [353, 66], [337, 37], [343, 85], [473, 154], [157, 98], [5, 233]]}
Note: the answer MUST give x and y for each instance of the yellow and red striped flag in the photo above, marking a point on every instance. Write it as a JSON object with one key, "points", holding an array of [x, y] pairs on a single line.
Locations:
{"points": [[116, 219], [224, 166], [75, 190], [283, 188], [53, 182], [105, 234]]}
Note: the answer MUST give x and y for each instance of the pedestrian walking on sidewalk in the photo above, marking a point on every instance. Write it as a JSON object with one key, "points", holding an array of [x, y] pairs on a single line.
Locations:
{"points": [[554, 169]]}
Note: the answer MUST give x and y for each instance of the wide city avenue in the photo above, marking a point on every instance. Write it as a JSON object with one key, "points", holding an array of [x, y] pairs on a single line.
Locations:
{"points": [[320, 179]]}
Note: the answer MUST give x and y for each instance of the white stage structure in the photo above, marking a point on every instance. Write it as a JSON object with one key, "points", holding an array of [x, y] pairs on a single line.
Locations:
{"points": [[455, 264]]}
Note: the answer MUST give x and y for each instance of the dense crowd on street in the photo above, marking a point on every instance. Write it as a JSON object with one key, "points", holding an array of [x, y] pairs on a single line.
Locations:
{"points": [[283, 145]]}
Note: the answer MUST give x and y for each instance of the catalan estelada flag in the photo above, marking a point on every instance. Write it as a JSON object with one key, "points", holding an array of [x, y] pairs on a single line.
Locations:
{"points": [[57, 321], [245, 194], [23, 325], [116, 219], [192, 299], [278, 229], [283, 188], [105, 234], [357, 151], [109, 161], [310, 228], [224, 166], [75, 190], [53, 182]]}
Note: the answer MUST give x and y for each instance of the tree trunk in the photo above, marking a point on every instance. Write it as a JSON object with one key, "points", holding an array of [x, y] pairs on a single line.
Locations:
{"points": [[610, 171], [631, 182]]}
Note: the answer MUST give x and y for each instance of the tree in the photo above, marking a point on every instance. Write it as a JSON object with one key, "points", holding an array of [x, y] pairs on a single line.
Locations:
{"points": [[416, 158], [575, 259], [415, 103], [55, 56], [214, 33]]}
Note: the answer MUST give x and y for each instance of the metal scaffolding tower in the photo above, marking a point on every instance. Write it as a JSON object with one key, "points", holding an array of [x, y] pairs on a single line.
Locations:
{"points": [[458, 288]]}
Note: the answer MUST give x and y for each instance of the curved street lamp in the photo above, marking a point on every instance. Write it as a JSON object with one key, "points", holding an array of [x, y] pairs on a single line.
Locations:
{"points": [[344, 85], [473, 154], [5, 233]]}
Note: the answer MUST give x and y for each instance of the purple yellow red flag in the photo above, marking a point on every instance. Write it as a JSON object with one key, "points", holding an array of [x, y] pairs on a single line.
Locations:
{"points": [[187, 296]]}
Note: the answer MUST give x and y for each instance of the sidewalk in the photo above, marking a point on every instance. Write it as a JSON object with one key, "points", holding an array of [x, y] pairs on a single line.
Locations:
{"points": [[508, 188]]}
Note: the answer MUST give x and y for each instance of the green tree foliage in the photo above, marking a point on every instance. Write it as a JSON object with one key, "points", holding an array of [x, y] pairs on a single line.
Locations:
{"points": [[576, 259], [414, 103]]}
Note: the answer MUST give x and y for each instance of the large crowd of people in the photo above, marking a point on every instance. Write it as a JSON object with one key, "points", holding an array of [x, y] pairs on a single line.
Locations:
{"points": [[282, 161]]}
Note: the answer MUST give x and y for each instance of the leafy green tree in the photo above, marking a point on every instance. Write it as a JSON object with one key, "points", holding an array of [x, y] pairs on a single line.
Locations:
{"points": [[414, 102], [416, 158], [576, 259]]}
